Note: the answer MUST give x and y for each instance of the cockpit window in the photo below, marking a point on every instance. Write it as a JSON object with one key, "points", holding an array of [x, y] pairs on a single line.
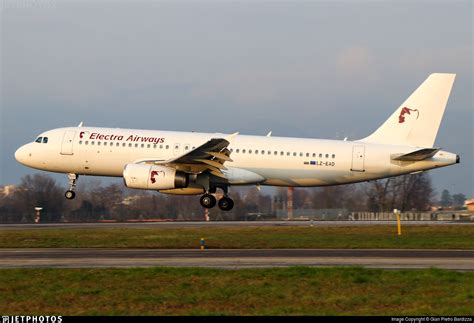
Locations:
{"points": [[45, 140], [39, 139]]}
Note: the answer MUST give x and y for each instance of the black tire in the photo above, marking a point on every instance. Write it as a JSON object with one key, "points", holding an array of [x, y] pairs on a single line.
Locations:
{"points": [[208, 201], [70, 195], [226, 204]]}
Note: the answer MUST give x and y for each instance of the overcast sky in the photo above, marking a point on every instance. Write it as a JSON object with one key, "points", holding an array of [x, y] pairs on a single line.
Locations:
{"points": [[319, 69]]}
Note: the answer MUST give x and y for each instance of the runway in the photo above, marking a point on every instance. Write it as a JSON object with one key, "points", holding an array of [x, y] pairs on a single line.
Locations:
{"points": [[236, 258], [198, 224]]}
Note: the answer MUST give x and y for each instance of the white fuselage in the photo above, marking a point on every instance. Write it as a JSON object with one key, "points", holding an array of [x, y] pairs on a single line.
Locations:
{"points": [[278, 161]]}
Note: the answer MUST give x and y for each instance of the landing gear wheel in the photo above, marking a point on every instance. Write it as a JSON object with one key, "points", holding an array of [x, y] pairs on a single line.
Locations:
{"points": [[70, 195], [226, 204], [208, 201]]}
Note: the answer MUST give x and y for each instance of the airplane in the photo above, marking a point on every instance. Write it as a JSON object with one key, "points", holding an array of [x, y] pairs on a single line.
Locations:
{"points": [[191, 163]]}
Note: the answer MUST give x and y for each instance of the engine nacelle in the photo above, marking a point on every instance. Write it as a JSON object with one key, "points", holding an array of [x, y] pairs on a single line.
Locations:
{"points": [[153, 177]]}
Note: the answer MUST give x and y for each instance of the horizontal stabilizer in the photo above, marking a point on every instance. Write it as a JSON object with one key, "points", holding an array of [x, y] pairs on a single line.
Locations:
{"points": [[418, 155]]}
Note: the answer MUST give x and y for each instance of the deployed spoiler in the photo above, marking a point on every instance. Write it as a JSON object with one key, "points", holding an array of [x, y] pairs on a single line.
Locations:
{"points": [[417, 155]]}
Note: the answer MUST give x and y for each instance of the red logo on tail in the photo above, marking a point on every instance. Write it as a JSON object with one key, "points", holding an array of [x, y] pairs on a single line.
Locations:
{"points": [[405, 110]]}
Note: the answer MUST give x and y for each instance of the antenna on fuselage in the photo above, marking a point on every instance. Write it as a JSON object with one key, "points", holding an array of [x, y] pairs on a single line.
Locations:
{"points": [[269, 134], [80, 125]]}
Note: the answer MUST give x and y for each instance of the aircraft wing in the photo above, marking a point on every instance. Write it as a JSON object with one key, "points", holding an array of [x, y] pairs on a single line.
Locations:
{"points": [[210, 156]]}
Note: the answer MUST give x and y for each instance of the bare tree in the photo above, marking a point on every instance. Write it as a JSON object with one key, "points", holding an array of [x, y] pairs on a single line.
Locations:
{"points": [[39, 190]]}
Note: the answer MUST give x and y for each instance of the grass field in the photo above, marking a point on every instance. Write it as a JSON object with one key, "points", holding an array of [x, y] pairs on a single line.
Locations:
{"points": [[419, 236], [281, 291]]}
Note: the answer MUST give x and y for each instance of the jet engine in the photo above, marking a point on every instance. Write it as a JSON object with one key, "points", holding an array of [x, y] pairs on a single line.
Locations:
{"points": [[153, 177]]}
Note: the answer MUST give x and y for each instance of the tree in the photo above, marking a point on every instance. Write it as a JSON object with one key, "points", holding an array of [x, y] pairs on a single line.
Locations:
{"points": [[407, 192], [458, 199], [39, 190], [446, 199]]}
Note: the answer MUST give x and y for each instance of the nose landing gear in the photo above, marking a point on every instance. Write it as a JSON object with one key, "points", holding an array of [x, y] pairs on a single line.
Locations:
{"points": [[70, 194]]}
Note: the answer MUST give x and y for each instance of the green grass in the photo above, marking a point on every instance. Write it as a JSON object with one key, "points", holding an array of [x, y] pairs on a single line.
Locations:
{"points": [[377, 236], [277, 291]]}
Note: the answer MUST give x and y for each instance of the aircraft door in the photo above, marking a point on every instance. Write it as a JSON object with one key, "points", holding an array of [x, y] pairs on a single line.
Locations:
{"points": [[358, 159], [68, 140]]}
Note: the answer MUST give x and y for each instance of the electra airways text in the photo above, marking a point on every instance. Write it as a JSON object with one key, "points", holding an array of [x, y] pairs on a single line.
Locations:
{"points": [[191, 163]]}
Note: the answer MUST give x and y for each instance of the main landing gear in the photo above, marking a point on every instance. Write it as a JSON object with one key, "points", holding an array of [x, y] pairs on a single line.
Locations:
{"points": [[70, 194], [209, 201]]}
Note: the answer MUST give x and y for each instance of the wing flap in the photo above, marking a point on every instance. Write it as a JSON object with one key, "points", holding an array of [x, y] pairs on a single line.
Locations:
{"points": [[210, 157]]}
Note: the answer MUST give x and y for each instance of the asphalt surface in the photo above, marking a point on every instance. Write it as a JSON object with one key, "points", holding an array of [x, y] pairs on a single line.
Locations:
{"points": [[178, 224], [236, 258]]}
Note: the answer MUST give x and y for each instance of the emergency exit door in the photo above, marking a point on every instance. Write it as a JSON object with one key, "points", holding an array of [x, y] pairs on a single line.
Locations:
{"points": [[358, 159]]}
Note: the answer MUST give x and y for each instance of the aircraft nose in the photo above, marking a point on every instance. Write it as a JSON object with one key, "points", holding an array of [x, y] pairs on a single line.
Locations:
{"points": [[20, 154]]}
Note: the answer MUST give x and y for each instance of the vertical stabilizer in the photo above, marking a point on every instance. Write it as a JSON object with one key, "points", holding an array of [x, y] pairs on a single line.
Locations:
{"points": [[416, 121]]}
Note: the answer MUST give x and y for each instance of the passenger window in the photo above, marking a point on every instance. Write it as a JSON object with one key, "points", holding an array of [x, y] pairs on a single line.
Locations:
{"points": [[333, 156], [130, 145], [288, 153], [154, 146], [92, 143], [243, 151], [105, 143], [250, 151], [80, 142], [275, 153], [314, 154], [327, 155], [87, 142], [136, 145], [98, 143], [263, 152], [143, 145], [282, 153], [161, 146], [307, 154], [237, 150], [301, 154], [256, 152], [269, 152], [294, 154], [45, 140], [167, 147], [186, 147], [320, 155], [39, 140]]}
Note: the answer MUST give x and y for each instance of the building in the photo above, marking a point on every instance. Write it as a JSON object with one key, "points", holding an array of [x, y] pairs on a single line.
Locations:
{"points": [[469, 204], [7, 190]]}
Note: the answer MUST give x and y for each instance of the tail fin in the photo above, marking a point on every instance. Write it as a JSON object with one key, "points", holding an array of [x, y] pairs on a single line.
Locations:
{"points": [[416, 121]]}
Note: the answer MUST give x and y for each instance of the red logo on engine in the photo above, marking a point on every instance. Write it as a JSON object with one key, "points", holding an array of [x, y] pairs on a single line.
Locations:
{"points": [[405, 110], [153, 174]]}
